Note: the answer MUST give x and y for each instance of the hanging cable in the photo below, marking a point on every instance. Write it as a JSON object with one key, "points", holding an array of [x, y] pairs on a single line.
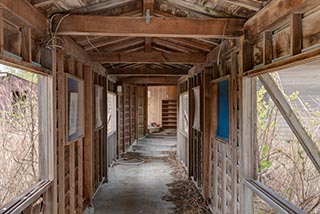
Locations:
{"points": [[221, 43]]}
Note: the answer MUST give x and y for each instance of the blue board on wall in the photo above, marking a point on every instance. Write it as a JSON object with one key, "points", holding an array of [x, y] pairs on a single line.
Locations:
{"points": [[223, 128]]}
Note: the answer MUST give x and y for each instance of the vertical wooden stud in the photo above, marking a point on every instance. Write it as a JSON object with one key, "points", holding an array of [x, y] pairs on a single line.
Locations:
{"points": [[89, 137], [206, 108], [296, 34], [1, 32], [267, 47], [61, 129], [26, 48]]}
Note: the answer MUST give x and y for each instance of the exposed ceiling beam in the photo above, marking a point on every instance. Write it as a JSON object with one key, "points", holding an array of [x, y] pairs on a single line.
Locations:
{"points": [[158, 27], [190, 43], [151, 80], [266, 18], [152, 57], [104, 42], [147, 71], [26, 13], [148, 5]]}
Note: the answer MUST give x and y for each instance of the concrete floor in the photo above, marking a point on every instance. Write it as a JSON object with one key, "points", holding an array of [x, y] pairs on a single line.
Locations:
{"points": [[135, 189]]}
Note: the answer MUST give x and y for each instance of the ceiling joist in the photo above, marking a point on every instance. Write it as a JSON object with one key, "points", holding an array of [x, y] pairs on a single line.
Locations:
{"points": [[147, 71], [158, 27], [151, 57]]}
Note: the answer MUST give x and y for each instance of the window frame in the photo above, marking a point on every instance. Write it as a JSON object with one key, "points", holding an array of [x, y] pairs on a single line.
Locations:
{"points": [[46, 150], [113, 113]]}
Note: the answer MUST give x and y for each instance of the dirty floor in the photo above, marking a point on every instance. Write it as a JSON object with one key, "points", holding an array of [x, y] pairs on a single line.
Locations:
{"points": [[135, 189]]}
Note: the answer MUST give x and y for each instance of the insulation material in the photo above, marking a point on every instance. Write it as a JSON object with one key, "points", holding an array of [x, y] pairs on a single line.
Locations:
{"points": [[223, 128]]}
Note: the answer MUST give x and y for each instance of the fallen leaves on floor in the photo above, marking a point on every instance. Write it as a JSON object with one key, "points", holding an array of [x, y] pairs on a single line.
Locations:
{"points": [[183, 193]]}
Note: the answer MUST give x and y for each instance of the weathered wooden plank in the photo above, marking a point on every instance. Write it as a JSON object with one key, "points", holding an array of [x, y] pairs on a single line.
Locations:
{"points": [[249, 4], [267, 47], [88, 178], [26, 49], [150, 80], [158, 27], [147, 71], [152, 57], [266, 19], [296, 34], [61, 130], [206, 109], [1, 32], [288, 114], [26, 13], [291, 61]]}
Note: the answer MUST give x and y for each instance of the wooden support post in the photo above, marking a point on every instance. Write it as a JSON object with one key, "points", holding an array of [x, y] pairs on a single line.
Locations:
{"points": [[190, 133], [146, 110], [246, 55], [123, 120], [71, 70], [233, 128], [206, 109], [1, 32], [267, 47], [296, 34], [89, 137], [80, 157], [288, 114], [61, 130], [248, 142], [26, 48]]}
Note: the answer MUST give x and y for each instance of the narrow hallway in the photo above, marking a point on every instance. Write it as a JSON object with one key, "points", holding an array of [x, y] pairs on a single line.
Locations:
{"points": [[149, 181]]}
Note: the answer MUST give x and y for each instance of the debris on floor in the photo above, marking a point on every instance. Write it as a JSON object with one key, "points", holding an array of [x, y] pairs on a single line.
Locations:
{"points": [[183, 193]]}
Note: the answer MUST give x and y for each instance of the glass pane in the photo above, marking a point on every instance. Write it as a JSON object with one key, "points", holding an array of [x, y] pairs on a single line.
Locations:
{"points": [[19, 132], [282, 164], [300, 85]]}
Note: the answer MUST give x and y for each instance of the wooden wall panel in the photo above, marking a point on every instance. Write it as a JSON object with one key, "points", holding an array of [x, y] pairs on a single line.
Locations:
{"points": [[155, 96], [127, 116]]}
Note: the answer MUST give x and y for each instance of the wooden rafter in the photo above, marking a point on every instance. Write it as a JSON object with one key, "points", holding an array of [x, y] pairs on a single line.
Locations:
{"points": [[159, 27], [249, 4], [104, 42], [150, 80], [190, 6], [152, 57], [169, 44], [102, 6]]}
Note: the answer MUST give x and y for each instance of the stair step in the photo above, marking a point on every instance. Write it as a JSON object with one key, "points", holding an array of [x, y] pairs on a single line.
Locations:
{"points": [[157, 148]]}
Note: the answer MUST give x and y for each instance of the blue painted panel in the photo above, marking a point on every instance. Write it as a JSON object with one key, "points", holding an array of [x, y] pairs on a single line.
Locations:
{"points": [[223, 128]]}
